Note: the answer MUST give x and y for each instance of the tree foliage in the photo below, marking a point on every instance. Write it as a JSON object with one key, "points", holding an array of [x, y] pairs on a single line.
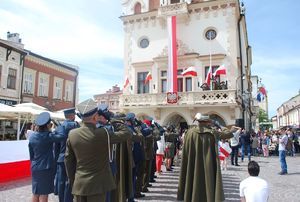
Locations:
{"points": [[263, 116]]}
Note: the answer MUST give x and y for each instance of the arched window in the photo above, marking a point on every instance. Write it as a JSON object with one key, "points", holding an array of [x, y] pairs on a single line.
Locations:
{"points": [[137, 8]]}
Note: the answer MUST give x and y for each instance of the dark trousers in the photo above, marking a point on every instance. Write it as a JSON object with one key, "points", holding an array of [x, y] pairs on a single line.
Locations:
{"points": [[63, 186], [113, 167], [147, 170], [234, 155], [139, 167], [153, 168], [246, 148]]}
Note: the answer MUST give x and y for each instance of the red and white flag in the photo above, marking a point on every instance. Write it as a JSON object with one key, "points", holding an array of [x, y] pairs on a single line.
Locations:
{"points": [[208, 78], [148, 77], [126, 82], [191, 71], [220, 70], [224, 150], [14, 160], [263, 91], [172, 53]]}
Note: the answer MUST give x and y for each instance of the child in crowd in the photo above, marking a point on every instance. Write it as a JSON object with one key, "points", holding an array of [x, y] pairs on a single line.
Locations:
{"points": [[224, 152]]}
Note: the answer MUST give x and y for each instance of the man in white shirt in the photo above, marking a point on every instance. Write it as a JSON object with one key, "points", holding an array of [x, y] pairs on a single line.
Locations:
{"points": [[234, 143], [283, 140], [253, 188]]}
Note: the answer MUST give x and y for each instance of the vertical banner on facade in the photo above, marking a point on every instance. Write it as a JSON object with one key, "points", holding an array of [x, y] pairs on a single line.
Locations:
{"points": [[172, 60]]}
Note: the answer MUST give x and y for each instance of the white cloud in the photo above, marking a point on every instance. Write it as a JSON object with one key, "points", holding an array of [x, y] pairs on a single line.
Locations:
{"points": [[55, 34]]}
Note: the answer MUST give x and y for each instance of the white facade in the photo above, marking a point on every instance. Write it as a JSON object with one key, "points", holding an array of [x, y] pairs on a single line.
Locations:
{"points": [[288, 114], [193, 49], [11, 65]]}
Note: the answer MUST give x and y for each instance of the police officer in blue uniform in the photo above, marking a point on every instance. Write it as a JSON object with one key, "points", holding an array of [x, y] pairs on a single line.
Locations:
{"points": [[61, 181], [137, 151], [42, 158]]}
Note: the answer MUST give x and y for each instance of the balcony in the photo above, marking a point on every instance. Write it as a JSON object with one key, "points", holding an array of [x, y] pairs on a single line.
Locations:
{"points": [[192, 99], [173, 10]]}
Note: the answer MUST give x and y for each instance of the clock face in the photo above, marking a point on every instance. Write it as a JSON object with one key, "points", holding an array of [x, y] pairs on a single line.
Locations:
{"points": [[144, 43], [211, 34]]}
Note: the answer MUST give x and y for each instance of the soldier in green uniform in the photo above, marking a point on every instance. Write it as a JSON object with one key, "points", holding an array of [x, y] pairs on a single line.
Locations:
{"points": [[200, 175], [148, 146], [170, 138], [87, 156]]}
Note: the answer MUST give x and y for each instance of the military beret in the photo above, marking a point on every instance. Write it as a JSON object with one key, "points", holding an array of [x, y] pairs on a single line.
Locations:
{"points": [[42, 119], [87, 108], [69, 111]]}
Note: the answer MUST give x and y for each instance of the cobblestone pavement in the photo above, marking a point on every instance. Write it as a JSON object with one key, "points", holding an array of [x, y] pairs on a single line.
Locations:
{"points": [[282, 188]]}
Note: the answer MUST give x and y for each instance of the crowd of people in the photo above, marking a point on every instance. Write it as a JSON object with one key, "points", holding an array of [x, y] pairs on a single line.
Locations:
{"points": [[115, 157], [108, 157]]}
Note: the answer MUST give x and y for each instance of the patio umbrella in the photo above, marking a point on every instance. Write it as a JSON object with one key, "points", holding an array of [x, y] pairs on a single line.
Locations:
{"points": [[29, 110], [31, 105]]}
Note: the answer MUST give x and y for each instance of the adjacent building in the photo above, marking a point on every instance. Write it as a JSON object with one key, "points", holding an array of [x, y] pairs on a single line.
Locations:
{"points": [[29, 77], [259, 101], [49, 83], [111, 98], [11, 69], [288, 114], [210, 33]]}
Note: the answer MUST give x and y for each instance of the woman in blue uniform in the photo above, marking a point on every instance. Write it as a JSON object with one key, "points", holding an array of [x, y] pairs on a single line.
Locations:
{"points": [[42, 158]]}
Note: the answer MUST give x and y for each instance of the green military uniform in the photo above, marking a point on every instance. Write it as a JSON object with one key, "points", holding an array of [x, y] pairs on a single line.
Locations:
{"points": [[141, 168], [124, 161], [87, 157], [170, 139], [200, 176], [148, 146]]}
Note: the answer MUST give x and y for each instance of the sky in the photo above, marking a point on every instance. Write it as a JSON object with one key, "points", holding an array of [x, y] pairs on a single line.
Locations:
{"points": [[89, 34]]}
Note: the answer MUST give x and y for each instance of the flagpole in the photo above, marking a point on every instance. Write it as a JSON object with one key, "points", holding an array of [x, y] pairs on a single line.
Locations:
{"points": [[210, 68]]}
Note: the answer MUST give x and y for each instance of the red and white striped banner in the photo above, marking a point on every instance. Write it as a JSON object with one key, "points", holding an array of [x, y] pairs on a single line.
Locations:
{"points": [[224, 150], [14, 160], [172, 53]]}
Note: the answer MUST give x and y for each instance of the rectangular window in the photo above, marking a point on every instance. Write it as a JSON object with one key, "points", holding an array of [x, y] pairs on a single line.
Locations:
{"points": [[12, 78], [188, 84], [43, 85], [179, 71], [28, 83], [69, 91], [214, 68], [164, 74], [164, 85], [142, 87], [58, 83], [180, 84], [175, 1]]}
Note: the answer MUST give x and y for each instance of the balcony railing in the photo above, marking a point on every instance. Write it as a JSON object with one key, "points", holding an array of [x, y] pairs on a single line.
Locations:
{"points": [[173, 9], [216, 97]]}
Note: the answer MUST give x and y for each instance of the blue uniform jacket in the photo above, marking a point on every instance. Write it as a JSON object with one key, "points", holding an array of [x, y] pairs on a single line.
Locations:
{"points": [[138, 152], [60, 148], [41, 148]]}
